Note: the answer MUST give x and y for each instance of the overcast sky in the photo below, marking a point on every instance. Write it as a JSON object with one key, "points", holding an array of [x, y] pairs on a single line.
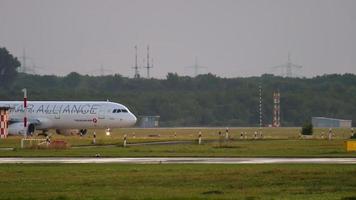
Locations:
{"points": [[232, 38]]}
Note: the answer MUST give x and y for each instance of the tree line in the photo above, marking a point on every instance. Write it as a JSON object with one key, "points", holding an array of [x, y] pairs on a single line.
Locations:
{"points": [[205, 100]]}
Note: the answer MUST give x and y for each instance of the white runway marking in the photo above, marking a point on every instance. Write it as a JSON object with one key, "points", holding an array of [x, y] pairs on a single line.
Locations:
{"points": [[184, 160]]}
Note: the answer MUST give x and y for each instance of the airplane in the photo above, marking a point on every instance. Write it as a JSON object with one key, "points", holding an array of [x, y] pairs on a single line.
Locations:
{"points": [[66, 116]]}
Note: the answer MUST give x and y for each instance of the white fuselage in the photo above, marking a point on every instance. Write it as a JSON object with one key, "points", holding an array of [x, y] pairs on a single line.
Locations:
{"points": [[71, 114]]}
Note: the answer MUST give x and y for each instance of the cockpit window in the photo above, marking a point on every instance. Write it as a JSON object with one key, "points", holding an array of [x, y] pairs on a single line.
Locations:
{"points": [[119, 110]]}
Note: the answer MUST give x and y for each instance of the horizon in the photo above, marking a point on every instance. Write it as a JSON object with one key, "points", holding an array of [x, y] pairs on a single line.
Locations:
{"points": [[179, 75]]}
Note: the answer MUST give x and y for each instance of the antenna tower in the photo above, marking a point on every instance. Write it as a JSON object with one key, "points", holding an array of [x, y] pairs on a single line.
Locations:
{"points": [[148, 67], [137, 75]]}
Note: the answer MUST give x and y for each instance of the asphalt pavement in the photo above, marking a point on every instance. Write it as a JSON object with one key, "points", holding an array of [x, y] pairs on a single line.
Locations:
{"points": [[179, 160]]}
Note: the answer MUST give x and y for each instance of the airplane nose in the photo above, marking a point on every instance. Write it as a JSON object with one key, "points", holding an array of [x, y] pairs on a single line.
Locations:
{"points": [[133, 119]]}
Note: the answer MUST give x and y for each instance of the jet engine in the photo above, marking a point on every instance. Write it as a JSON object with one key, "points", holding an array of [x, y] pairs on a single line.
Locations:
{"points": [[19, 129]]}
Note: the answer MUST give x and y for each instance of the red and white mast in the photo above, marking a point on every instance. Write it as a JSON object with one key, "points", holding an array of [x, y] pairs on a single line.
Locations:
{"points": [[276, 110], [25, 108]]}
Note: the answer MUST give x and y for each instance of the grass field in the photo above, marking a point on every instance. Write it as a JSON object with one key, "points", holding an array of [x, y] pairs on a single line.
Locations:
{"points": [[166, 134], [281, 142], [251, 148], [113, 181], [183, 181]]}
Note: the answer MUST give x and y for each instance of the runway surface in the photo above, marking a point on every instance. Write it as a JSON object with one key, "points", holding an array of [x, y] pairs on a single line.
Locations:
{"points": [[183, 160]]}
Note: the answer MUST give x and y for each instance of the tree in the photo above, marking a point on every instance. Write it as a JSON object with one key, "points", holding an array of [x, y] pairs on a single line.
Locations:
{"points": [[72, 79], [205, 100], [8, 67]]}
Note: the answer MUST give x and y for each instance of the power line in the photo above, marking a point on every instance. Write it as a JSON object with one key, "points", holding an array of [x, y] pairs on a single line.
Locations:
{"points": [[287, 68], [196, 67]]}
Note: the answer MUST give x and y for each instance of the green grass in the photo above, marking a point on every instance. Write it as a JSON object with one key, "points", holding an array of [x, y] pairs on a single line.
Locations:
{"points": [[183, 181], [166, 134], [277, 142], [114, 181], [246, 148]]}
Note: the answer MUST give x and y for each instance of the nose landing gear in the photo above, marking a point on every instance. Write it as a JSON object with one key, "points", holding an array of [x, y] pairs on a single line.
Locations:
{"points": [[31, 129]]}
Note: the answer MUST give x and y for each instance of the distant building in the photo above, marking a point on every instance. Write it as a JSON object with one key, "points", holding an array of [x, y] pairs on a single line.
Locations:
{"points": [[323, 122], [149, 121]]}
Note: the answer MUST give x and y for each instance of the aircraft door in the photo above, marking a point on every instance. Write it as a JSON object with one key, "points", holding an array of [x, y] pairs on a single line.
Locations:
{"points": [[57, 115], [101, 114]]}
